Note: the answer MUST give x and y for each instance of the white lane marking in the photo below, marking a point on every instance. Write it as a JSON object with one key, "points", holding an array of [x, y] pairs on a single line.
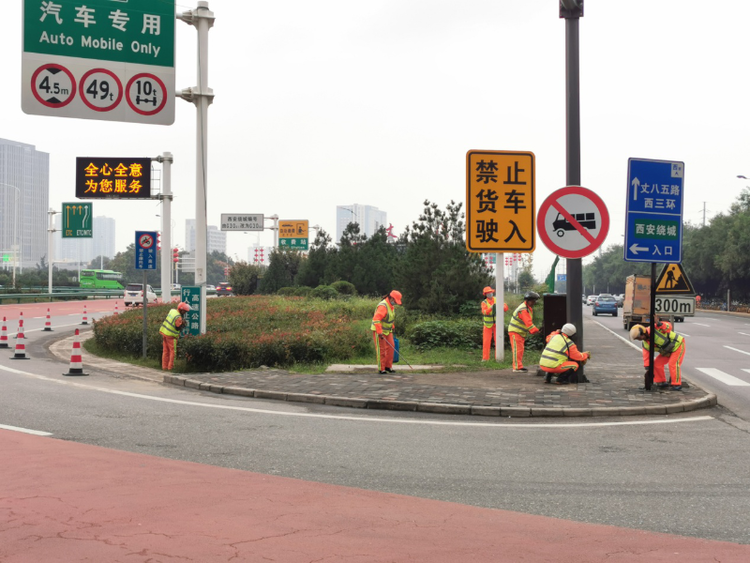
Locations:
{"points": [[359, 418], [25, 430], [724, 377], [701, 324], [743, 333], [738, 350], [626, 340], [682, 334], [25, 331]]}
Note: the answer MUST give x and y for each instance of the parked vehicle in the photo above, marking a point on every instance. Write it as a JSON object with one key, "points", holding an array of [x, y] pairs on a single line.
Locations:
{"points": [[604, 304], [590, 299], [224, 289], [134, 295]]}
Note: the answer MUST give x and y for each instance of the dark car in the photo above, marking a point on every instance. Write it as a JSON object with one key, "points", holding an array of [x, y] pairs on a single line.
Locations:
{"points": [[224, 289], [605, 304]]}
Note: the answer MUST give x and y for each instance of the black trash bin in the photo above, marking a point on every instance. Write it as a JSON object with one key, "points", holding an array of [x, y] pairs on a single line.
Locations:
{"points": [[555, 312]]}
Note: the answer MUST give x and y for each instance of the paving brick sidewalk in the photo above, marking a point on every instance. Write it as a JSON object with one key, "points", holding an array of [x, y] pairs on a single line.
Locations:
{"points": [[615, 373]]}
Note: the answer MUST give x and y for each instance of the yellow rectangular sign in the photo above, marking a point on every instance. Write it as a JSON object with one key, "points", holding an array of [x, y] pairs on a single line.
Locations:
{"points": [[293, 229], [500, 201]]}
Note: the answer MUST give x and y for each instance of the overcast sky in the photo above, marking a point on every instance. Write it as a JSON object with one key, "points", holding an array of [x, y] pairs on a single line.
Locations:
{"points": [[336, 102]]}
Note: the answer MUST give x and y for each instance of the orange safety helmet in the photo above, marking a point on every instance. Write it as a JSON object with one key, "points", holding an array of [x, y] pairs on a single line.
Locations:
{"points": [[183, 307], [396, 295], [487, 290], [665, 327]]}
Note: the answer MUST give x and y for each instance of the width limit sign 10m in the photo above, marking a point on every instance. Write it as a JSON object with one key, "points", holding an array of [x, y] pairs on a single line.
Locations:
{"points": [[500, 201]]}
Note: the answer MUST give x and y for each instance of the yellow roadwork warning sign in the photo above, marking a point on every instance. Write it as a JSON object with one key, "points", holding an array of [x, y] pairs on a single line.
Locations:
{"points": [[673, 279], [500, 201]]}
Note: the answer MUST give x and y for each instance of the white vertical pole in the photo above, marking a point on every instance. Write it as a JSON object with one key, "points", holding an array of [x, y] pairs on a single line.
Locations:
{"points": [[166, 226], [50, 248], [201, 95], [499, 309]]}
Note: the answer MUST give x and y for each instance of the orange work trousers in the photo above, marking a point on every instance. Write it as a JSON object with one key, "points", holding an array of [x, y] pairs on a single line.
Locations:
{"points": [[383, 351], [569, 365], [488, 336], [674, 360], [167, 351], [517, 343]]}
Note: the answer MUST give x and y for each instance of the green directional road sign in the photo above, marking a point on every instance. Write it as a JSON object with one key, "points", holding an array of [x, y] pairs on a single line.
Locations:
{"points": [[109, 60], [77, 220], [192, 296]]}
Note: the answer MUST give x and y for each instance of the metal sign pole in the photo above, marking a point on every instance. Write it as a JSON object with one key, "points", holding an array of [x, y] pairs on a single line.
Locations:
{"points": [[499, 308], [166, 226], [145, 314]]}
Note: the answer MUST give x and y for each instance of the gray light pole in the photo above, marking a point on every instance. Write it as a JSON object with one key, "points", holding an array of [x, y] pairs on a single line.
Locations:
{"points": [[166, 160], [571, 11]]}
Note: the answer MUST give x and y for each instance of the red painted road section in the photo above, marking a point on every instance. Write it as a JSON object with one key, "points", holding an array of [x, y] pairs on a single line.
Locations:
{"points": [[68, 502], [57, 308]]}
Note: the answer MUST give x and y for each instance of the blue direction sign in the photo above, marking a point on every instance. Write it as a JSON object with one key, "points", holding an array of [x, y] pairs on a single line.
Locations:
{"points": [[653, 217], [145, 250]]}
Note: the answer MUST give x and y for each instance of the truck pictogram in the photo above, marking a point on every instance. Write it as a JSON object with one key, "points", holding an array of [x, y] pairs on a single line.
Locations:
{"points": [[561, 224]]}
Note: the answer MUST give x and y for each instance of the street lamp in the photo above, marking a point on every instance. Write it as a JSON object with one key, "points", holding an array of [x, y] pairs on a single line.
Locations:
{"points": [[15, 228]]}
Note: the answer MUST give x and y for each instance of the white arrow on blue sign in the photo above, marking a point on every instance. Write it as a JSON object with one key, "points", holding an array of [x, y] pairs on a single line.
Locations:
{"points": [[653, 217]]}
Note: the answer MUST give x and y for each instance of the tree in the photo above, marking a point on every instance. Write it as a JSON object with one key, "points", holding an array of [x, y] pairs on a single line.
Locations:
{"points": [[435, 272], [283, 268], [244, 277], [312, 272]]}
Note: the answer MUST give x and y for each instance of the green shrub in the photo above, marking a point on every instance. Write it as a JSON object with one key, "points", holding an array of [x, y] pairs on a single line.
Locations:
{"points": [[248, 332], [325, 292], [344, 287], [463, 334], [302, 291], [287, 291]]}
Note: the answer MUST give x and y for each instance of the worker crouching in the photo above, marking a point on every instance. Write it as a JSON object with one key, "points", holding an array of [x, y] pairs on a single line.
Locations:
{"points": [[561, 356]]}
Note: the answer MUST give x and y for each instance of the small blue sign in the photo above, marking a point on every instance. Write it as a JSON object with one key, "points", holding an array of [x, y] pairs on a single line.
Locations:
{"points": [[145, 250], [653, 216]]}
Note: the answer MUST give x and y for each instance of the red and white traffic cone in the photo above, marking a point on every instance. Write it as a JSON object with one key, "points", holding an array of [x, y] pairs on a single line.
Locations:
{"points": [[85, 320], [20, 346], [76, 362], [20, 324], [47, 323], [4, 336], [116, 312]]}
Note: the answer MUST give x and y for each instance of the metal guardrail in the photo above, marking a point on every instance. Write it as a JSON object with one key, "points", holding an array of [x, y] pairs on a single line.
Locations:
{"points": [[69, 293]]}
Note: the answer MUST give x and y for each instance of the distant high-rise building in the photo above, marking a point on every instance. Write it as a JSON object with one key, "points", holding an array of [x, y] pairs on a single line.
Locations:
{"points": [[24, 203], [83, 250], [369, 218], [216, 240]]}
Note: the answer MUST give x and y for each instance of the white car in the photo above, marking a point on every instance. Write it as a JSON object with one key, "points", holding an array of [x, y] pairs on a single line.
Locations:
{"points": [[134, 295], [590, 299]]}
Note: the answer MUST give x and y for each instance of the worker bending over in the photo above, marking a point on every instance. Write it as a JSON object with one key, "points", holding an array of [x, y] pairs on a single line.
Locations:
{"points": [[520, 327], [671, 348]]}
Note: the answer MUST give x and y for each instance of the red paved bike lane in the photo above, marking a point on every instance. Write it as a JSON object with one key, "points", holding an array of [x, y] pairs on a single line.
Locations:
{"points": [[69, 502]]}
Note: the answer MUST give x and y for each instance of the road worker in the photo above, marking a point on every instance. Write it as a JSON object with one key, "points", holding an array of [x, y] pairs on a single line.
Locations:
{"points": [[170, 331], [561, 356], [520, 326], [671, 349], [489, 306], [383, 323]]}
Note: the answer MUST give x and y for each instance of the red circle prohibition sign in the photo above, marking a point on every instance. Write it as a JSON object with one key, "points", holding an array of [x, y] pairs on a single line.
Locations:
{"points": [[146, 241], [83, 92], [553, 204], [58, 104], [156, 79]]}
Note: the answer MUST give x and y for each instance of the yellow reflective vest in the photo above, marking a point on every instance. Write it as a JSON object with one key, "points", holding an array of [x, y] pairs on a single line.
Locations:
{"points": [[489, 319], [387, 322], [556, 352], [665, 343], [516, 324], [169, 327]]}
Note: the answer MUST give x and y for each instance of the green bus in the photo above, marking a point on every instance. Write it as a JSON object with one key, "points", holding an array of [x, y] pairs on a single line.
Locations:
{"points": [[100, 279]]}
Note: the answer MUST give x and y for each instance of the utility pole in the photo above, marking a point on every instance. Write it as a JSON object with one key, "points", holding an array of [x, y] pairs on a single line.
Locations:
{"points": [[166, 160], [572, 11]]}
